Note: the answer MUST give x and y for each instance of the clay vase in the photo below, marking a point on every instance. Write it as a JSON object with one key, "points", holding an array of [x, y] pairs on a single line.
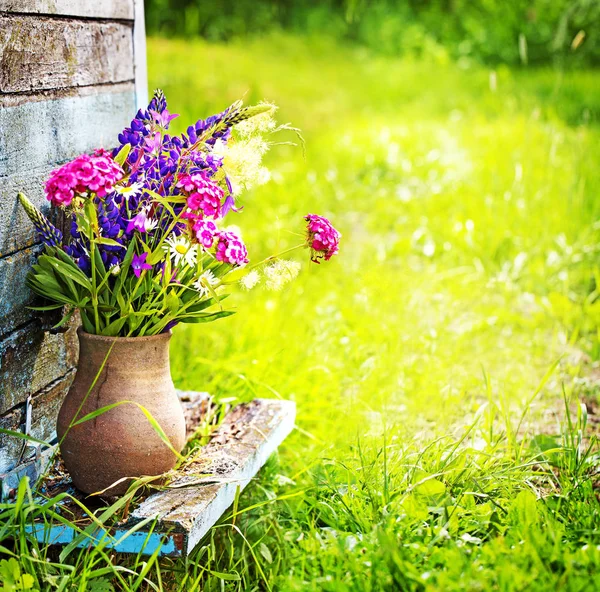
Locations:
{"points": [[120, 442]]}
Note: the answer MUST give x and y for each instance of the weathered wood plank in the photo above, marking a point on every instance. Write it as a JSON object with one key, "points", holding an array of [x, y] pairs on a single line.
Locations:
{"points": [[202, 491], [44, 411], [15, 296], [45, 53], [241, 446], [106, 9], [37, 134], [45, 407], [16, 230], [11, 448], [30, 359]]}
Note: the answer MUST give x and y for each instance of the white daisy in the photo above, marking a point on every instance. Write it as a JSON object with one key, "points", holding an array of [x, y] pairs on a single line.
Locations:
{"points": [[132, 190], [208, 278], [181, 249]]}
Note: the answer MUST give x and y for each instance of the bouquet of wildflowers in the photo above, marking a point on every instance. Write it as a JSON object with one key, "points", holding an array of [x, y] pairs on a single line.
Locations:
{"points": [[148, 247]]}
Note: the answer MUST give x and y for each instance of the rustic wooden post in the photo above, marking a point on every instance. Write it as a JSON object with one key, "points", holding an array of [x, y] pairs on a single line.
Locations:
{"points": [[71, 75]]}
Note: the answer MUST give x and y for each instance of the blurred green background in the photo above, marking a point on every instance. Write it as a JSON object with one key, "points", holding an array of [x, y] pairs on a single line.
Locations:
{"points": [[455, 145], [492, 31]]}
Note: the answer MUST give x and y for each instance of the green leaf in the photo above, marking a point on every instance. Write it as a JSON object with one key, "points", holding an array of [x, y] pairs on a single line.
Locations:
{"points": [[23, 436], [264, 551], [427, 485], [122, 155], [65, 319], [206, 317], [48, 307], [114, 327], [69, 271], [172, 301], [233, 577], [155, 425], [102, 240], [88, 326]]}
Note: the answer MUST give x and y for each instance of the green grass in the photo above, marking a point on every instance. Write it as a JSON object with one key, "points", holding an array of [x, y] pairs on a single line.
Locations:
{"points": [[433, 450]]}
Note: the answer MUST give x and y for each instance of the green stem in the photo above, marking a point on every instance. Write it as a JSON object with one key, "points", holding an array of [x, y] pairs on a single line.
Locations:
{"points": [[277, 256], [94, 287]]}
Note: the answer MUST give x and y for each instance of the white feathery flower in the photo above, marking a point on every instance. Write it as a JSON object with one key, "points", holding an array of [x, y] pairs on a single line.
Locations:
{"points": [[181, 249], [280, 273], [263, 123], [208, 278], [242, 162], [250, 280]]}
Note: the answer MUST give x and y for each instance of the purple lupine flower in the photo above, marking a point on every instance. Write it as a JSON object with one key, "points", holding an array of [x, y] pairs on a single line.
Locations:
{"points": [[169, 326], [138, 264]]}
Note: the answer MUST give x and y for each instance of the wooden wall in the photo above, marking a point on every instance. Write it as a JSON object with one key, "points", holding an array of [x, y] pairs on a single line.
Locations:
{"points": [[72, 73]]}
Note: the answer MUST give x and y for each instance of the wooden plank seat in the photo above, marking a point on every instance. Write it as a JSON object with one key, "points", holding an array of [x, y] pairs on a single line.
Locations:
{"points": [[176, 516]]}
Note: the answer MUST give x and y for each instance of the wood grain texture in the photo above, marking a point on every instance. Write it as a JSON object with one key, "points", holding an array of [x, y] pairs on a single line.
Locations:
{"points": [[45, 53], [39, 134], [30, 359], [44, 411], [242, 444], [10, 447], [106, 9], [16, 230], [15, 296]]}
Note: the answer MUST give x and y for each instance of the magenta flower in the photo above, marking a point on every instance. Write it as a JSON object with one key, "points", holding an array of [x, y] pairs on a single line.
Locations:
{"points": [[205, 231], [141, 222], [154, 143], [138, 264], [322, 238], [163, 119], [204, 194], [231, 249], [97, 174]]}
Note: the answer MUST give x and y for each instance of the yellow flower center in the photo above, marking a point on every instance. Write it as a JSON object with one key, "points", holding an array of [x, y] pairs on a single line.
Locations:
{"points": [[181, 249]]}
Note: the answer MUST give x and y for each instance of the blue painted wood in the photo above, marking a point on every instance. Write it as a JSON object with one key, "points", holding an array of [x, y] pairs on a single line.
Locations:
{"points": [[119, 539]]}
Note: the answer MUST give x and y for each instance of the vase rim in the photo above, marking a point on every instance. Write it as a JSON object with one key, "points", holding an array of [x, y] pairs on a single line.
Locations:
{"points": [[107, 339]]}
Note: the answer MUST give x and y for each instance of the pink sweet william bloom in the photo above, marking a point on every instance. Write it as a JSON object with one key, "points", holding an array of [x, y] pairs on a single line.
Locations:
{"points": [[205, 231], [322, 238], [95, 173], [231, 249], [204, 195]]}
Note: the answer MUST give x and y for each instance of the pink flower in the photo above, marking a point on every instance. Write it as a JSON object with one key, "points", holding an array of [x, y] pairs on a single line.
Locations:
{"points": [[322, 238], [97, 174], [204, 194], [205, 231], [163, 119], [231, 249]]}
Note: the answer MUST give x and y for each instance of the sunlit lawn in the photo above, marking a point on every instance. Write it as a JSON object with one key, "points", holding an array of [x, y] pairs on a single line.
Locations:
{"points": [[466, 200]]}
